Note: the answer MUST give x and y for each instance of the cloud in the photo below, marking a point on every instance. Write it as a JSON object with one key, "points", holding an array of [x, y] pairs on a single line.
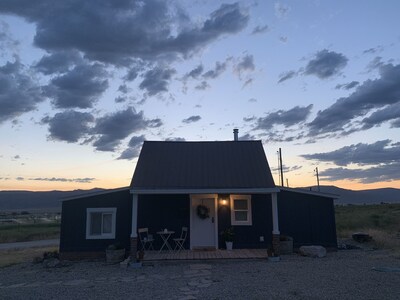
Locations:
{"points": [[389, 172], [390, 112], [58, 62], [119, 31], [289, 117], [114, 127], [380, 152], [217, 71], [19, 178], [347, 86], [326, 64], [54, 179], [156, 80], [19, 93], [69, 126], [134, 146], [260, 29], [202, 86], [78, 88], [246, 64], [281, 10], [286, 76], [191, 119], [196, 72], [370, 95], [175, 139], [120, 99]]}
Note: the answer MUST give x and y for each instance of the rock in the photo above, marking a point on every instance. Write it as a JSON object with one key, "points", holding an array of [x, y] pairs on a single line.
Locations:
{"points": [[51, 263], [312, 251], [361, 237]]}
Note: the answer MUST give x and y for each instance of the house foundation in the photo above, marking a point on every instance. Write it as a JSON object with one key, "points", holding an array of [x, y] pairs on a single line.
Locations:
{"points": [[275, 244], [134, 248]]}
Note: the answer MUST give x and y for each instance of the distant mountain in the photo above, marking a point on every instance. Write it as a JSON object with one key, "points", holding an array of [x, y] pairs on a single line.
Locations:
{"points": [[374, 196], [46, 201], [51, 201]]}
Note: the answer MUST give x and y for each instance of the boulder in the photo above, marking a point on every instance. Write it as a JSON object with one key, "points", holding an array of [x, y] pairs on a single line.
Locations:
{"points": [[312, 251], [361, 237]]}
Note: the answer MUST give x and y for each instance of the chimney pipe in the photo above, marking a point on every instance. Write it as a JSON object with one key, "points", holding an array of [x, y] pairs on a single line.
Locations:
{"points": [[235, 134]]}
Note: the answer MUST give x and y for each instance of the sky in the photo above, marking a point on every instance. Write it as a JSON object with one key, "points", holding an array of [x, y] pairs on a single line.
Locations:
{"points": [[84, 83]]}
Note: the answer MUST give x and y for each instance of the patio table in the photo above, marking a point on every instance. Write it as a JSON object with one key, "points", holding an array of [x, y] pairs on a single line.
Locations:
{"points": [[165, 235]]}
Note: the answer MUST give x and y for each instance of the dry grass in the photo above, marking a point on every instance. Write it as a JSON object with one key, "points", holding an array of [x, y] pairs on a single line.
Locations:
{"points": [[382, 222], [15, 256]]}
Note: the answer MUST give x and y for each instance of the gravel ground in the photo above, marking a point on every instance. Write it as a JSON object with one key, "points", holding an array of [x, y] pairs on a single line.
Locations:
{"points": [[346, 274]]}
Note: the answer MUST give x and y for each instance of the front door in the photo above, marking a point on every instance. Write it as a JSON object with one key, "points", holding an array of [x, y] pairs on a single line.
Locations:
{"points": [[203, 228]]}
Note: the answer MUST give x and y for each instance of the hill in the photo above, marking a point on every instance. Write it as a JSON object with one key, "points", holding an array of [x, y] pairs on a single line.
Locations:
{"points": [[51, 200], [27, 200], [373, 196]]}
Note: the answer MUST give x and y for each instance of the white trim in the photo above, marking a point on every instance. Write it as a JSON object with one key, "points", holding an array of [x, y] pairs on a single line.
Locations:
{"points": [[275, 221], [206, 191], [106, 210], [215, 197], [249, 221]]}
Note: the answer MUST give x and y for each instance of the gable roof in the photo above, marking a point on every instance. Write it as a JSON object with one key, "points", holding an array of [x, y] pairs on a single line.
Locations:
{"points": [[202, 165]]}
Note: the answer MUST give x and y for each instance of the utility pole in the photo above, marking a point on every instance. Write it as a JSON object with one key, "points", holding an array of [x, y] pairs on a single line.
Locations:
{"points": [[316, 171], [287, 182], [280, 167]]}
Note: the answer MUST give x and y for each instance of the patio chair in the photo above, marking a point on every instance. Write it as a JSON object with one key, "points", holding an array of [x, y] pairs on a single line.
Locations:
{"points": [[181, 240], [146, 239]]}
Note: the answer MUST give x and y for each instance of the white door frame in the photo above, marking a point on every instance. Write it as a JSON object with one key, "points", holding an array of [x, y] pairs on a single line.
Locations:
{"points": [[197, 196]]}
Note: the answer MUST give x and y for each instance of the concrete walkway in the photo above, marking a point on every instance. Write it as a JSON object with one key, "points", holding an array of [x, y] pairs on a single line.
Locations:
{"points": [[30, 244]]}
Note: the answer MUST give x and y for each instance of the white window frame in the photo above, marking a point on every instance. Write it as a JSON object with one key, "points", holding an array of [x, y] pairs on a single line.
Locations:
{"points": [[104, 210], [249, 221]]}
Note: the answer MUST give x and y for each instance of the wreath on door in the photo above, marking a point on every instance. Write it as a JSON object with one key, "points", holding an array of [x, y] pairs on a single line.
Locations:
{"points": [[203, 212]]}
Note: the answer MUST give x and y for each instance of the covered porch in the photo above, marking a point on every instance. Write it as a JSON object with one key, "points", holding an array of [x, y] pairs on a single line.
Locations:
{"points": [[205, 255]]}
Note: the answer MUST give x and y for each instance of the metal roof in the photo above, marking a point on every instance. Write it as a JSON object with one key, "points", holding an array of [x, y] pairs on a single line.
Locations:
{"points": [[167, 165]]}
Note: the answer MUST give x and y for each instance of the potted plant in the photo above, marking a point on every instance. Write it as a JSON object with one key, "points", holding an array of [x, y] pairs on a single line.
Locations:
{"points": [[285, 244], [115, 253], [228, 235]]}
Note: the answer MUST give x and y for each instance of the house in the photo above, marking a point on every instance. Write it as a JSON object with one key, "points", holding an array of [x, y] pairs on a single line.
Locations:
{"points": [[205, 186]]}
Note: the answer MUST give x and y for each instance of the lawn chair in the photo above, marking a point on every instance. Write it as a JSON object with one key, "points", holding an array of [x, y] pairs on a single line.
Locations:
{"points": [[145, 239], [181, 240]]}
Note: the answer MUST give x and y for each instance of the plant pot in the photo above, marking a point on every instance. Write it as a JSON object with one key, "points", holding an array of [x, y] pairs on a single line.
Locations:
{"points": [[286, 247], [229, 246], [115, 256]]}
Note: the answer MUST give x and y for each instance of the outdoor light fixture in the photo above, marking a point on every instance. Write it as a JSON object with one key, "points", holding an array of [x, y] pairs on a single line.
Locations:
{"points": [[223, 202]]}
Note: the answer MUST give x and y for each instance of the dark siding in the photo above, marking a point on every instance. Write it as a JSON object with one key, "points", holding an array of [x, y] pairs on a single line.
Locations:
{"points": [[249, 236], [73, 222], [157, 212], [309, 219]]}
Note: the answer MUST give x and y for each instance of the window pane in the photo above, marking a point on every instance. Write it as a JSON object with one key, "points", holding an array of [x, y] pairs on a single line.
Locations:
{"points": [[95, 223], [240, 204], [107, 221], [240, 215]]}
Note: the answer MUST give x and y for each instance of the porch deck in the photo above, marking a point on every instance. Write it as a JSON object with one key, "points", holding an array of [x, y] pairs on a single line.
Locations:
{"points": [[205, 255]]}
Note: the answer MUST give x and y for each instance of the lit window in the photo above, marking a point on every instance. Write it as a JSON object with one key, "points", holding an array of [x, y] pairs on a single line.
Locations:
{"points": [[100, 223], [241, 210]]}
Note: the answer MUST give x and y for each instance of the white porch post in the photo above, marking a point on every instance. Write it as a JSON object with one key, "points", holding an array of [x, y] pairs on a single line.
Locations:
{"points": [[275, 224], [275, 221], [134, 215], [134, 244]]}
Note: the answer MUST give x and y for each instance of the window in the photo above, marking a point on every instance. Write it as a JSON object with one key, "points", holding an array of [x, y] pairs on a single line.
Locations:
{"points": [[100, 223], [241, 210]]}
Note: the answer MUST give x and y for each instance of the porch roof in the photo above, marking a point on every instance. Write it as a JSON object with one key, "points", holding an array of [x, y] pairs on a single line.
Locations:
{"points": [[228, 165]]}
